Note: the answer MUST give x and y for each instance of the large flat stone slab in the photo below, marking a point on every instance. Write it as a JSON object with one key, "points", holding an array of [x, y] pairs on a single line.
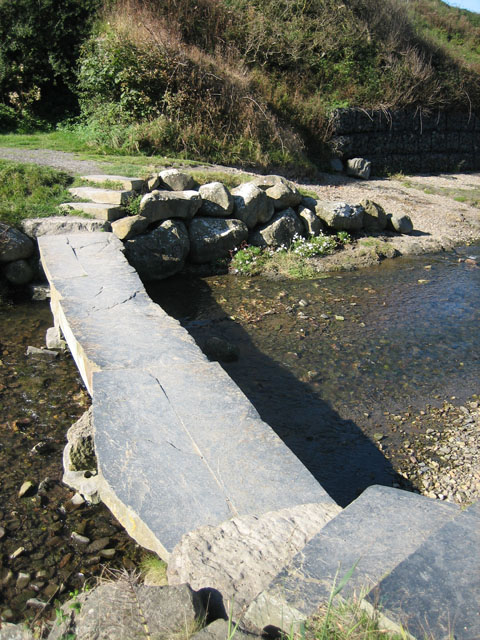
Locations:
{"points": [[106, 196], [435, 592], [374, 533], [186, 448], [98, 210], [106, 316]]}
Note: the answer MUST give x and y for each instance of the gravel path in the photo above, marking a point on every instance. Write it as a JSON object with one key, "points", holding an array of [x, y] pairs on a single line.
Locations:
{"points": [[57, 159]]}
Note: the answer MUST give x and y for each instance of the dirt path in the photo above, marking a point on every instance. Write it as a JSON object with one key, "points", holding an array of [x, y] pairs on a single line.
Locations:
{"points": [[57, 159]]}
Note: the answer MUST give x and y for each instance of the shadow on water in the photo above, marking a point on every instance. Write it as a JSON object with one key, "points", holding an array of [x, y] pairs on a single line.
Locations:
{"points": [[342, 458]]}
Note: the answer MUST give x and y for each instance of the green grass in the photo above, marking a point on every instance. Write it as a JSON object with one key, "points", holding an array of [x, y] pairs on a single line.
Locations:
{"points": [[154, 569], [111, 162], [345, 621], [30, 191]]}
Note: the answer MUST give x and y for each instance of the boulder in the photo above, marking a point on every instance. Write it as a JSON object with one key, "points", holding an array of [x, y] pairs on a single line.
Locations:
{"points": [[336, 165], [61, 225], [311, 222], [175, 180], [309, 202], [217, 200], [359, 168], [14, 245], [340, 215], [54, 340], [400, 224], [81, 473], [80, 438], [161, 253], [284, 195], [281, 231], [241, 556], [266, 182], [163, 205], [251, 205], [374, 216], [214, 238], [124, 609], [129, 227], [18, 272]]}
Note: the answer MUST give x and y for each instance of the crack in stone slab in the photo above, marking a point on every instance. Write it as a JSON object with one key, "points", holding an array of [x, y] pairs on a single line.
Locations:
{"points": [[220, 484], [116, 304]]}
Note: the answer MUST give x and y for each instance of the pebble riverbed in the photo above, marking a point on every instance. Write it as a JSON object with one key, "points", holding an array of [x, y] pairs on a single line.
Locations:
{"points": [[51, 542], [441, 451]]}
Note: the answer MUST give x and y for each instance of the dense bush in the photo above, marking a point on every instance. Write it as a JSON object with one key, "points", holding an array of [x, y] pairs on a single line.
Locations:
{"points": [[39, 46], [139, 93]]}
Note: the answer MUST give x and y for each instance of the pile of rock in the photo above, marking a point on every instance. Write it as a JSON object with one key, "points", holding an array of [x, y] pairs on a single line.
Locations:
{"points": [[177, 220]]}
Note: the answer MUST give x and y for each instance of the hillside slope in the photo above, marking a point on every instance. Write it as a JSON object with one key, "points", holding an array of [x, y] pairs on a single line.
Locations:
{"points": [[255, 81]]}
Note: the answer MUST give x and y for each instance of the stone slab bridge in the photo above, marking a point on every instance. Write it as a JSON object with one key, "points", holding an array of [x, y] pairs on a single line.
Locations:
{"points": [[181, 450]]}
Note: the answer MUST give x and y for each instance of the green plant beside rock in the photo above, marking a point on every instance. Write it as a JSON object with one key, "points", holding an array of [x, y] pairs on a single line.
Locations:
{"points": [[289, 261]]}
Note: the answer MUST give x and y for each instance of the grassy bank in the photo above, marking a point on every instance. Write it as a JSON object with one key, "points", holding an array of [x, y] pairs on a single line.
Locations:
{"points": [[29, 191]]}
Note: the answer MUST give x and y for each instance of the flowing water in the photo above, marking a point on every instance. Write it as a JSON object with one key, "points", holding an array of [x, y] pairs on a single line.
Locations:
{"points": [[326, 361]]}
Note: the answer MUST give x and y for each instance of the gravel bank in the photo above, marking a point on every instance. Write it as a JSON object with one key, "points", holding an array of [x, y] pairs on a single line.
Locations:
{"points": [[443, 451]]}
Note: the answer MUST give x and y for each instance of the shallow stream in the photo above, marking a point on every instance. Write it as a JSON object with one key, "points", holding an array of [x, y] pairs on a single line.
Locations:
{"points": [[338, 364], [40, 399]]}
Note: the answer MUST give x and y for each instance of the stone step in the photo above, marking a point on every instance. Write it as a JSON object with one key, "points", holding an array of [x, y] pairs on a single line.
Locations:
{"points": [[63, 225], [435, 592], [118, 182], [103, 196], [373, 534], [98, 210], [180, 446]]}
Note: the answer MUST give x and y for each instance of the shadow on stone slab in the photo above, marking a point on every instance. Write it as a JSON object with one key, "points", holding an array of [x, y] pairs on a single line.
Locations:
{"points": [[334, 450]]}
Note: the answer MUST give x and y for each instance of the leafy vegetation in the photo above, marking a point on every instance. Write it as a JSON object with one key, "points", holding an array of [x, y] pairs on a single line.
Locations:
{"points": [[30, 191], [287, 261], [39, 48]]}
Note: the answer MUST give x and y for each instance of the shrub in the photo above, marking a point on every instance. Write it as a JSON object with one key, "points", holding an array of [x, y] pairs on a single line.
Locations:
{"points": [[39, 45]]}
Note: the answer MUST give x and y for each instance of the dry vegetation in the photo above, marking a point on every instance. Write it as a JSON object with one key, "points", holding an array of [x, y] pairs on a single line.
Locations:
{"points": [[239, 81]]}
